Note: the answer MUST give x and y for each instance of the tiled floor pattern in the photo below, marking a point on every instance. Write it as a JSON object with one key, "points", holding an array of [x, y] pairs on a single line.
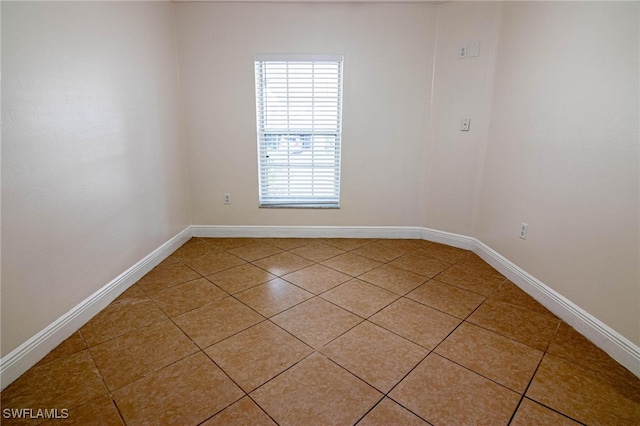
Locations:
{"points": [[326, 331]]}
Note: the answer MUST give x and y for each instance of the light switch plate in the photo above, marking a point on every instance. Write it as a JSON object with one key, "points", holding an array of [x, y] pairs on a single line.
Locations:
{"points": [[473, 49]]}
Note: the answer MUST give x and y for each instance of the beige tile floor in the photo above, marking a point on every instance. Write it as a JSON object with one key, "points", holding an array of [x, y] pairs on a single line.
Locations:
{"points": [[327, 331]]}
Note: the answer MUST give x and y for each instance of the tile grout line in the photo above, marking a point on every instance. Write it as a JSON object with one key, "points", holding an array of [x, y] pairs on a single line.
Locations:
{"points": [[202, 350], [522, 395], [104, 383], [314, 350], [262, 409], [367, 319], [486, 297], [433, 351], [88, 347], [526, 389], [402, 379], [182, 262], [318, 350], [109, 393], [148, 295], [199, 349], [545, 352], [240, 331], [430, 351]]}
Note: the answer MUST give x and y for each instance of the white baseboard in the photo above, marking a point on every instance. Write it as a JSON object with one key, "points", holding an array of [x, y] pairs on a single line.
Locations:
{"points": [[399, 232], [454, 240], [18, 361], [211, 231], [613, 343], [14, 364]]}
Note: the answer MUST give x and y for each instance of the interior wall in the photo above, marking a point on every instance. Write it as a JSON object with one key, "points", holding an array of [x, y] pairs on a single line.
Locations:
{"points": [[92, 163], [462, 88], [563, 153], [388, 54]]}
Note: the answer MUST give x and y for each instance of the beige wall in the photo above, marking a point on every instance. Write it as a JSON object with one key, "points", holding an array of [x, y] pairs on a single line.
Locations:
{"points": [[462, 88], [92, 179], [388, 52], [563, 154]]}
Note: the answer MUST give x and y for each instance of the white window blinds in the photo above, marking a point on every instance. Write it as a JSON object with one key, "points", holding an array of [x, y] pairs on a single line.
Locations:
{"points": [[299, 111]]}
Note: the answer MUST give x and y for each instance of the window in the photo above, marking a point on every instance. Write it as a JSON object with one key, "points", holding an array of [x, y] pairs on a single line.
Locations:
{"points": [[299, 111]]}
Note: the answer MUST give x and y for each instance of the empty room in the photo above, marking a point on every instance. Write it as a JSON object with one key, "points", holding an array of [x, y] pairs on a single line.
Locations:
{"points": [[316, 212]]}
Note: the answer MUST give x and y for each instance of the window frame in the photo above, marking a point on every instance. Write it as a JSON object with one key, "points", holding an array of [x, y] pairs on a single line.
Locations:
{"points": [[324, 167]]}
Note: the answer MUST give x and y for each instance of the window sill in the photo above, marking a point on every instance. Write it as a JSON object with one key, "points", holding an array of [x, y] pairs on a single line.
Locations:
{"points": [[299, 206]]}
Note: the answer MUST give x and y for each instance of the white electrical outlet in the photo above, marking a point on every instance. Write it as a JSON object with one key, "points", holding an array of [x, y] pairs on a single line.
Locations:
{"points": [[227, 198], [523, 231], [464, 124]]}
